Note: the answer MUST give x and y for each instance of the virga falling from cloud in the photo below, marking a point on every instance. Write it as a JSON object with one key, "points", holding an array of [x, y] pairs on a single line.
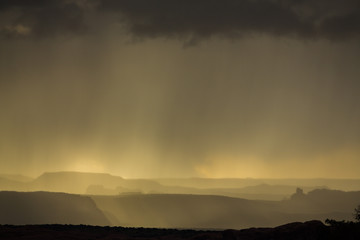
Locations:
{"points": [[267, 81]]}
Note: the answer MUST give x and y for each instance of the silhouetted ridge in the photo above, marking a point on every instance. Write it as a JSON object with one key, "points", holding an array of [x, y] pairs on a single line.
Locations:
{"points": [[310, 230], [208, 211], [324, 200], [46, 208]]}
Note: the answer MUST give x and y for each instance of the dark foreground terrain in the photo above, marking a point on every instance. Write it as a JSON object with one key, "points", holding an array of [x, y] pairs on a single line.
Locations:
{"points": [[308, 230]]}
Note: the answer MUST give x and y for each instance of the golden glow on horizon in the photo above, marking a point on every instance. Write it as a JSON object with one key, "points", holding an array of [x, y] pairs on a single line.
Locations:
{"points": [[341, 163], [86, 165], [154, 109]]}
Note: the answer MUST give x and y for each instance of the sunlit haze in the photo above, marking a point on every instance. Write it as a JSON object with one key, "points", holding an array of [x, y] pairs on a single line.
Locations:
{"points": [[127, 88]]}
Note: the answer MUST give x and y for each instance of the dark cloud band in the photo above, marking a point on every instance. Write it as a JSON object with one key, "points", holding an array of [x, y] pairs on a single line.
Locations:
{"points": [[333, 19]]}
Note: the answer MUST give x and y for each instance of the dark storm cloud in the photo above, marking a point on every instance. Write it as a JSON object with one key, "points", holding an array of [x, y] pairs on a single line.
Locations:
{"points": [[207, 18], [41, 18], [333, 19], [232, 18]]}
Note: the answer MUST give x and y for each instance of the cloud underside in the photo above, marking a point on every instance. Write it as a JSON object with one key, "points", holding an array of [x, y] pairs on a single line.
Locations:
{"points": [[197, 19]]}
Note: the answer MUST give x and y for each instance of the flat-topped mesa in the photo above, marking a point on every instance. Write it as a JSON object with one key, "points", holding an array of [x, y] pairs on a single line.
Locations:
{"points": [[73, 182], [79, 182]]}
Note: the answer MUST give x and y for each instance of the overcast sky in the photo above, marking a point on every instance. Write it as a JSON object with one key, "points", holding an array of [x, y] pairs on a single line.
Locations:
{"points": [[181, 88]]}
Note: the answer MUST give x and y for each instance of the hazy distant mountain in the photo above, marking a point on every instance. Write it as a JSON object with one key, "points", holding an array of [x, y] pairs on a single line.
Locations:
{"points": [[78, 182], [14, 182], [341, 184], [323, 200], [272, 189], [73, 182], [49, 208], [106, 184], [184, 211], [12, 185], [258, 192], [16, 177]]}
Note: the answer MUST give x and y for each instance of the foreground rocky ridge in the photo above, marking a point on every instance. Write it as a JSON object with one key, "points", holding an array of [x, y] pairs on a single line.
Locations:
{"points": [[308, 230]]}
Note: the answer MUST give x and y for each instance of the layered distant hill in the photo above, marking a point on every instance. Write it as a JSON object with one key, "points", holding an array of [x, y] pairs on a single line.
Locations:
{"points": [[204, 211], [208, 183], [49, 208], [16, 177], [14, 182], [106, 184], [174, 210]]}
